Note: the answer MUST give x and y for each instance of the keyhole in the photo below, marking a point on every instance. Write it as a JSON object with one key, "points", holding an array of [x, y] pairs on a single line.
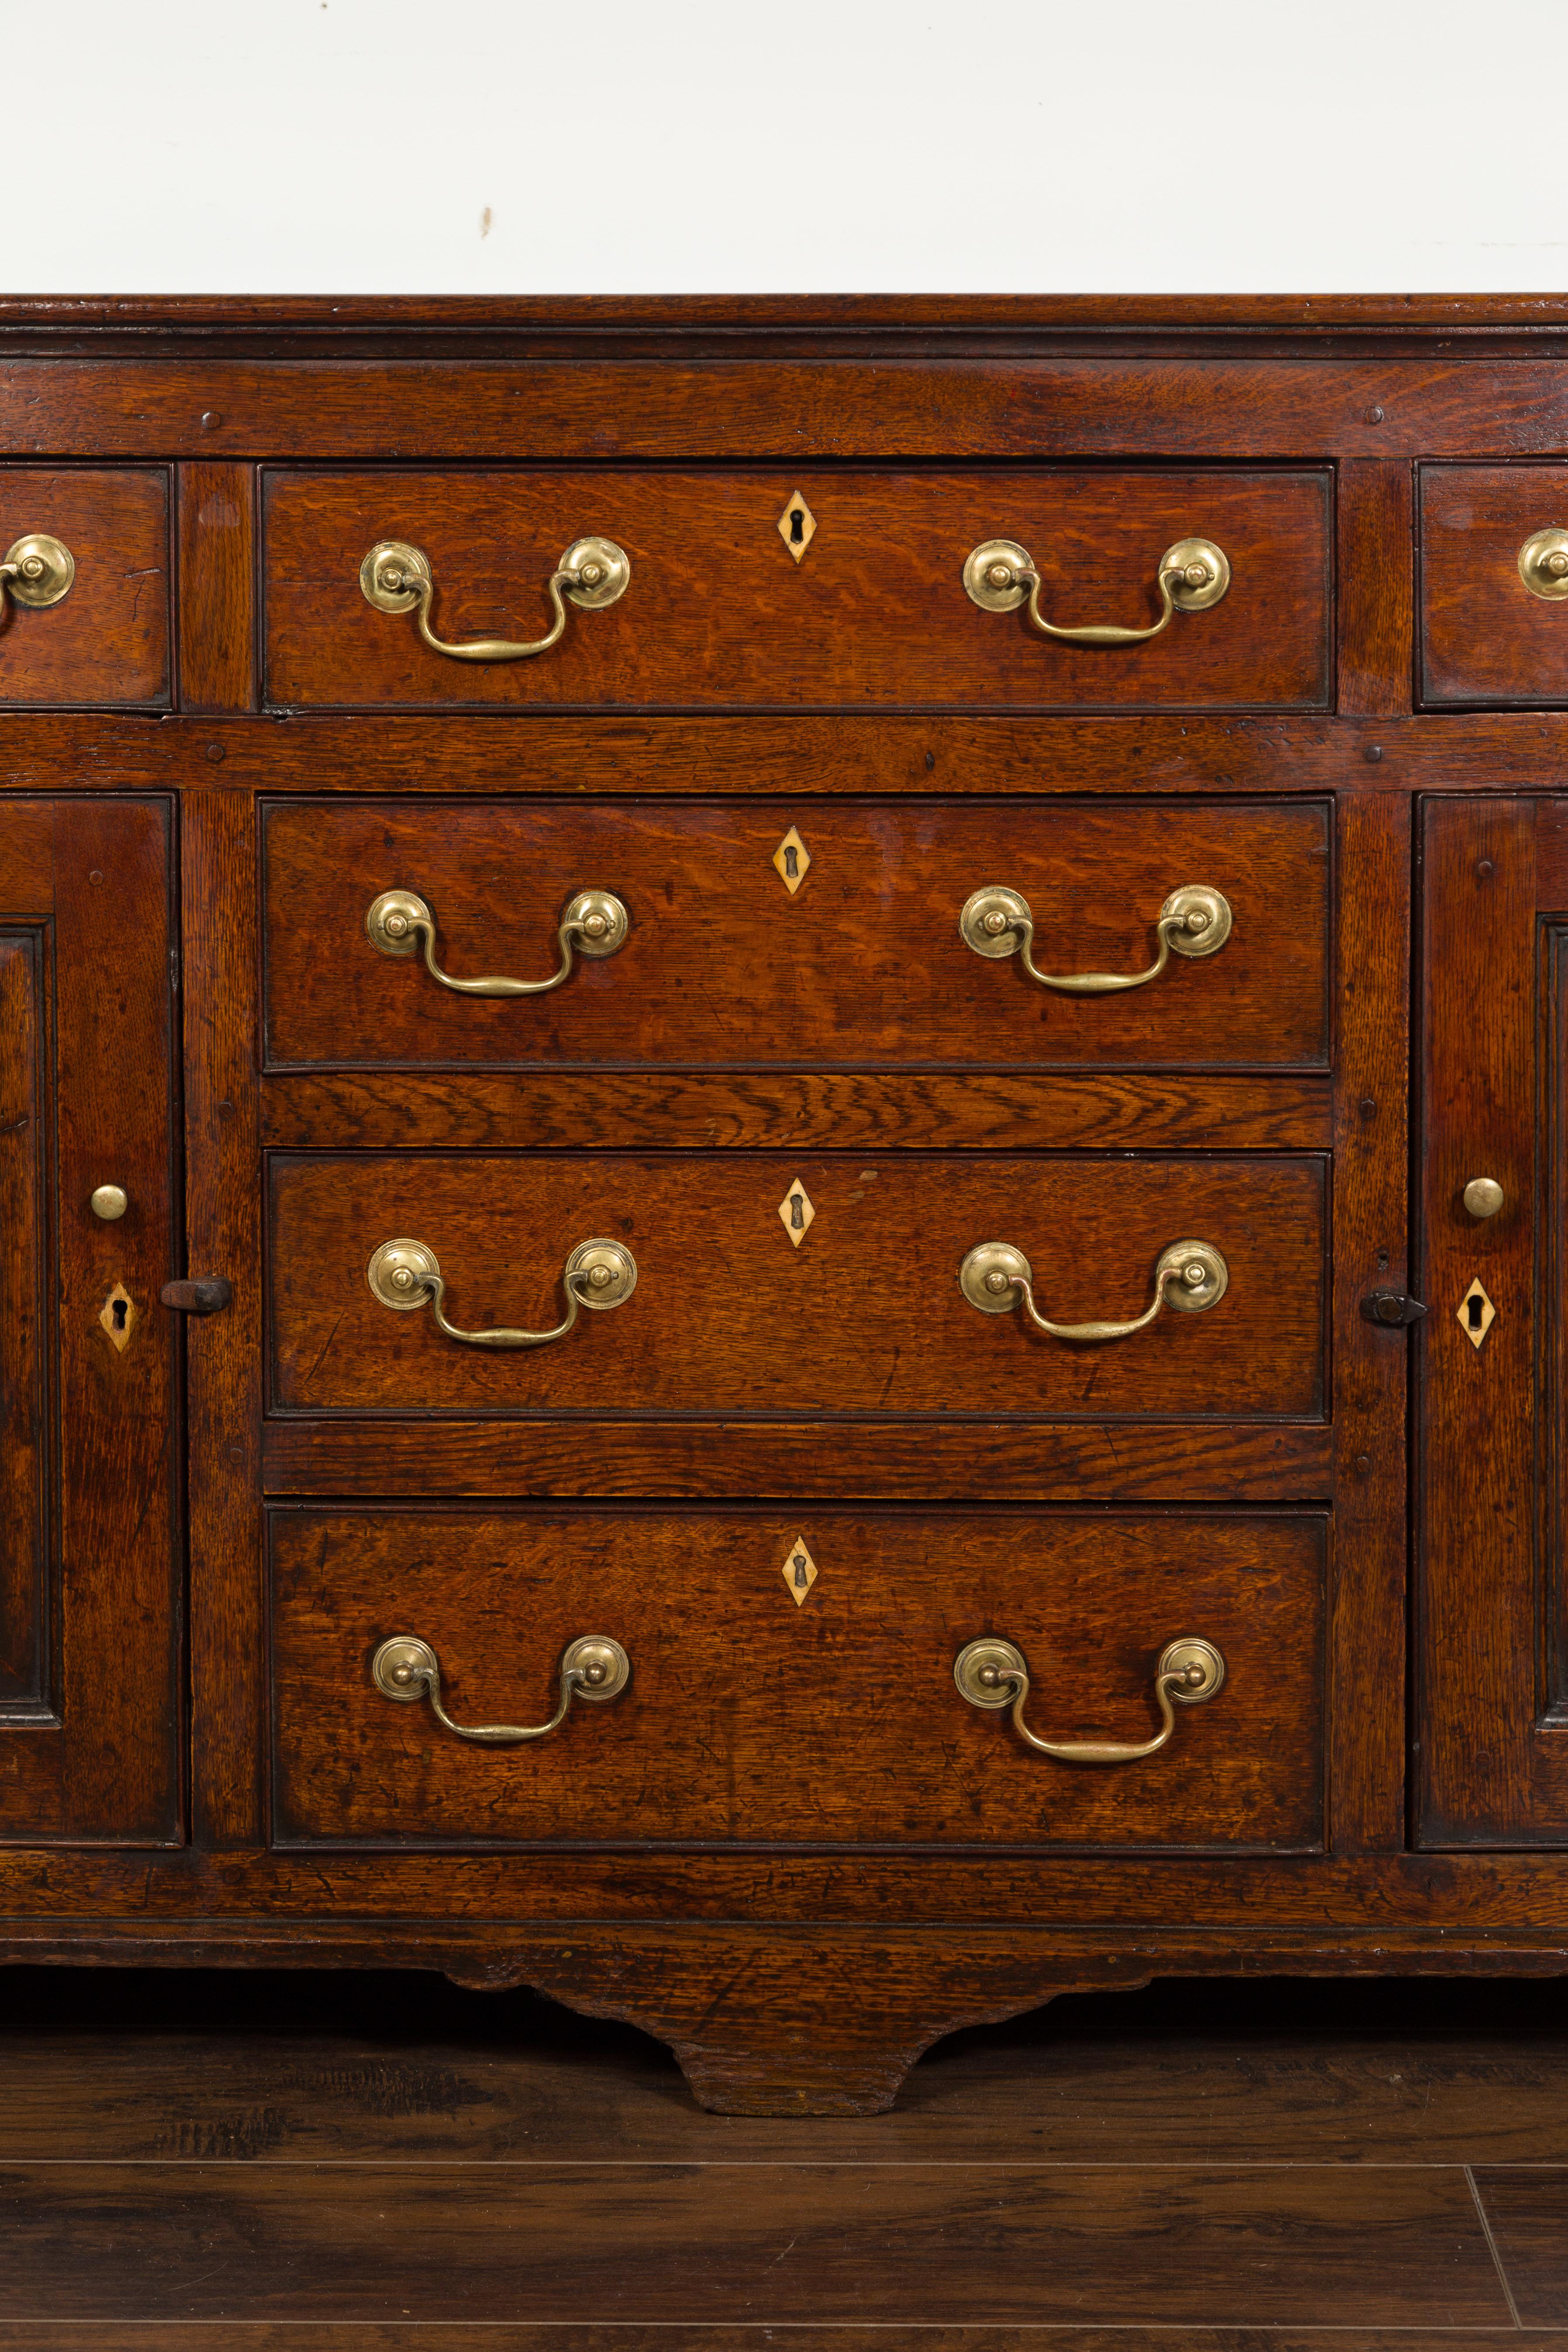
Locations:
{"points": [[791, 865], [799, 1572], [796, 527], [797, 1222], [1474, 1309], [119, 1305]]}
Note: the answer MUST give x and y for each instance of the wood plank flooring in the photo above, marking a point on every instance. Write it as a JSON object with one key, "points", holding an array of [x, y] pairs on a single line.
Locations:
{"points": [[293, 2163]]}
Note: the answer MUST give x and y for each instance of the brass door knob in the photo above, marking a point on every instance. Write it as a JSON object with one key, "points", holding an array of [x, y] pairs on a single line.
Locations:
{"points": [[108, 1201], [994, 1674], [405, 1274], [396, 578], [1191, 577], [594, 923], [1189, 1276], [1483, 1196], [592, 1667], [1195, 921], [36, 571]]}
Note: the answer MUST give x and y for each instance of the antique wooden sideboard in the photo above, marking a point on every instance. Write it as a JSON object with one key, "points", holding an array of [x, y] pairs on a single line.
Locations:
{"points": [[784, 1150]]}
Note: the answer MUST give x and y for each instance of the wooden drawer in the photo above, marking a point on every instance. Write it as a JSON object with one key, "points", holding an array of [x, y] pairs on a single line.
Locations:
{"points": [[862, 964], [848, 1303], [716, 612], [106, 641], [1485, 636], [838, 1720]]}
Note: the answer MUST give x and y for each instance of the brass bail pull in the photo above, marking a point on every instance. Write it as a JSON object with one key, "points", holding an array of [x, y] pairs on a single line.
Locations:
{"points": [[594, 924], [1195, 921], [36, 571], [1189, 1277], [405, 1274], [1192, 577], [994, 1674], [395, 577], [592, 1667]]}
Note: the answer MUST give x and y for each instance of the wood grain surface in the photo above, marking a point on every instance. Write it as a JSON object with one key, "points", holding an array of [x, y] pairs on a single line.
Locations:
{"points": [[862, 964], [833, 1719], [1484, 637], [928, 2244], [865, 1316], [107, 640], [216, 520], [718, 611], [1492, 1767], [90, 1751], [27, 1137]]}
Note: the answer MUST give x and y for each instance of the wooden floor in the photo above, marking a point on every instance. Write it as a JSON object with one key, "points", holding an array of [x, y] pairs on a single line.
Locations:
{"points": [[288, 2164]]}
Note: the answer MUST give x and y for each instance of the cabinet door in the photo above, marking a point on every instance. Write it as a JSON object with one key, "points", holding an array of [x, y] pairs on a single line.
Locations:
{"points": [[88, 1404], [1492, 1594]]}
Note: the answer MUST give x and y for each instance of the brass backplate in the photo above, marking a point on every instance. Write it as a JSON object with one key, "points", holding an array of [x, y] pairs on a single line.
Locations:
{"points": [[1193, 1275], [45, 568], [611, 1271], [609, 567], [1181, 1658], [598, 923], [1212, 929], [798, 1570], [599, 1666], [392, 921], [989, 1275], [991, 574], [400, 1273], [991, 921], [404, 1666], [1543, 564], [1215, 564], [988, 1671], [386, 572]]}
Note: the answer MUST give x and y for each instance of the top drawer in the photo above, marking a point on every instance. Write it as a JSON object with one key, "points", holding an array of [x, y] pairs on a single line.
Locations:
{"points": [[1494, 609], [806, 590], [103, 636]]}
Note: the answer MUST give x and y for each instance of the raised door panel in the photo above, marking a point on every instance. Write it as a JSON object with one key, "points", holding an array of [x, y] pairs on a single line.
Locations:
{"points": [[1492, 1633], [90, 1459]]}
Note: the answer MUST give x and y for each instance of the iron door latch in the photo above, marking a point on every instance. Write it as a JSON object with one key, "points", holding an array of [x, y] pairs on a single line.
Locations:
{"points": [[1392, 1306], [205, 1296]]}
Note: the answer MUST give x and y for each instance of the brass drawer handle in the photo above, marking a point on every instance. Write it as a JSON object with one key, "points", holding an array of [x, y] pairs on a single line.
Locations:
{"points": [[405, 1274], [1193, 576], [993, 1673], [36, 571], [1191, 1276], [396, 578], [592, 1667], [593, 923], [1195, 921]]}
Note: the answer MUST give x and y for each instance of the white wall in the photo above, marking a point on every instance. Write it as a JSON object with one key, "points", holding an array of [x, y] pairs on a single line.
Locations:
{"points": [[612, 146]]}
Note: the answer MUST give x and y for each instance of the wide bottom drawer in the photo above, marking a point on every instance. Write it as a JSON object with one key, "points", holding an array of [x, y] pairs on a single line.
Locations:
{"points": [[790, 1678]]}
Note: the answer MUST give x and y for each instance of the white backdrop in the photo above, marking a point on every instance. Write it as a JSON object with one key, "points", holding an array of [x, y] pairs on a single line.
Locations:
{"points": [[612, 146]]}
